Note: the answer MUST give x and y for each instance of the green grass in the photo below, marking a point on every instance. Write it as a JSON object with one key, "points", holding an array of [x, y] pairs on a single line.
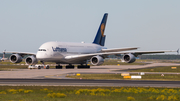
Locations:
{"points": [[97, 76], [13, 67], [7, 62], [10, 67], [158, 69], [158, 61], [119, 77], [116, 62], [74, 93]]}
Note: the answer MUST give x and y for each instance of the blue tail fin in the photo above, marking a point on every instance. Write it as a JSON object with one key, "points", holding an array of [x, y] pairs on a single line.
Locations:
{"points": [[100, 37]]}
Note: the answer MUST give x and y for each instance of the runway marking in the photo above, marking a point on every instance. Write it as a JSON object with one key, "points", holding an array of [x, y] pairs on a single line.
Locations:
{"points": [[54, 76], [83, 82]]}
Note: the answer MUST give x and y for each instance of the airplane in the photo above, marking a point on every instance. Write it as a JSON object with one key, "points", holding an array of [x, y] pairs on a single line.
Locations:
{"points": [[78, 53]]}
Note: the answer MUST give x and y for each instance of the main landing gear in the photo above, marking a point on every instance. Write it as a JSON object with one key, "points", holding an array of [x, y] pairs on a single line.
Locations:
{"points": [[67, 67], [83, 67], [72, 66], [58, 67]]}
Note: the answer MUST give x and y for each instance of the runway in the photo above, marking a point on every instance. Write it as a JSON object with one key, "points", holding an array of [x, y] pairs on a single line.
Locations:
{"points": [[56, 73], [78, 82]]}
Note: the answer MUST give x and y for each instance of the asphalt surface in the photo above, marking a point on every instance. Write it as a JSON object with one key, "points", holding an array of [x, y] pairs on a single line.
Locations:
{"points": [[61, 73], [78, 82], [57, 77]]}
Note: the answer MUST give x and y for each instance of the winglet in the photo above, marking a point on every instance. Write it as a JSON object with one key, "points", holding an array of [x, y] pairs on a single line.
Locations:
{"points": [[100, 37]]}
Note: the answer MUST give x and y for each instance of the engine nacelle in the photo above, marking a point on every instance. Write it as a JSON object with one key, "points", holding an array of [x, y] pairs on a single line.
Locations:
{"points": [[97, 60], [129, 58], [31, 60], [15, 58]]}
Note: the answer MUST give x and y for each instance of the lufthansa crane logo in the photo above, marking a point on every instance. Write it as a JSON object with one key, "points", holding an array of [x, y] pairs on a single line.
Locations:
{"points": [[57, 49], [102, 29]]}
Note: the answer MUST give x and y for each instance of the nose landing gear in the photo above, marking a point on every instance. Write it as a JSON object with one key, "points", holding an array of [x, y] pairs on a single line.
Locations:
{"points": [[45, 66]]}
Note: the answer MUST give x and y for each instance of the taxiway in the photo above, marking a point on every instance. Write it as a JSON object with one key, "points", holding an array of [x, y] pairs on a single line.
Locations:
{"points": [[56, 77]]}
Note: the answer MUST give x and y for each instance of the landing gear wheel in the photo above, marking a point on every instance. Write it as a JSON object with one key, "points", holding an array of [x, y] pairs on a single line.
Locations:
{"points": [[88, 67], [83, 67], [69, 67], [47, 66], [39, 67], [58, 67]]}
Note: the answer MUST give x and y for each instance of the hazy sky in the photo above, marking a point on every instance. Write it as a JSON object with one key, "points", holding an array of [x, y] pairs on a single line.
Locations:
{"points": [[148, 24]]}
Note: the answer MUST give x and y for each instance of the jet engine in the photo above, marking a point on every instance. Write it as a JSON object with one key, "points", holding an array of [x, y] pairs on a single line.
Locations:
{"points": [[15, 58], [97, 60], [129, 58], [31, 60]]}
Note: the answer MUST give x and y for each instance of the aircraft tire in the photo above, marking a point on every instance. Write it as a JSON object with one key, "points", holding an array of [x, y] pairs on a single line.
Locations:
{"points": [[47, 67], [69, 67], [39, 67], [83, 67], [87, 67], [58, 67]]}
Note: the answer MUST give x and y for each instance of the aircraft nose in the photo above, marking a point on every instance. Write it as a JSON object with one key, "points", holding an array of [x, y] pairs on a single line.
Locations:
{"points": [[39, 55]]}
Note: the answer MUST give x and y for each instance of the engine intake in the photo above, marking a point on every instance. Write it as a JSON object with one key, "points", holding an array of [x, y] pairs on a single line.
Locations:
{"points": [[15, 58], [31, 60], [129, 58], [97, 60]]}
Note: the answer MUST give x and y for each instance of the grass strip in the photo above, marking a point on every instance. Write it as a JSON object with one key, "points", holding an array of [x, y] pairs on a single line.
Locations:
{"points": [[158, 69], [116, 62], [73, 93], [119, 77], [10, 67]]}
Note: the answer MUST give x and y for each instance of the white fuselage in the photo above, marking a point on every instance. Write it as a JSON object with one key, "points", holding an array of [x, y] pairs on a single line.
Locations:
{"points": [[57, 51]]}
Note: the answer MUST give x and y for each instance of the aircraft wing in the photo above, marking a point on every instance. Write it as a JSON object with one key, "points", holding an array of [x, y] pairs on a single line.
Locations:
{"points": [[136, 53], [21, 53], [119, 49]]}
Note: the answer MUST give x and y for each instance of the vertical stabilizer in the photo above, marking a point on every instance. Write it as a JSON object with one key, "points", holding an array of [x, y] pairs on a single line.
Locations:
{"points": [[100, 37]]}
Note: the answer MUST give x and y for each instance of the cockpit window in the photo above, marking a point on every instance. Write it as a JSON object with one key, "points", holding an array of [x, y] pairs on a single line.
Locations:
{"points": [[41, 50]]}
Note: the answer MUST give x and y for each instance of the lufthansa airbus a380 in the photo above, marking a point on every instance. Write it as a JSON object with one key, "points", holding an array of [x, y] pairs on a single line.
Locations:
{"points": [[78, 53]]}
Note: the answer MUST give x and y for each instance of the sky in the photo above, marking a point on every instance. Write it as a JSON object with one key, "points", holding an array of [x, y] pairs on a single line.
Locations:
{"points": [[149, 24]]}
